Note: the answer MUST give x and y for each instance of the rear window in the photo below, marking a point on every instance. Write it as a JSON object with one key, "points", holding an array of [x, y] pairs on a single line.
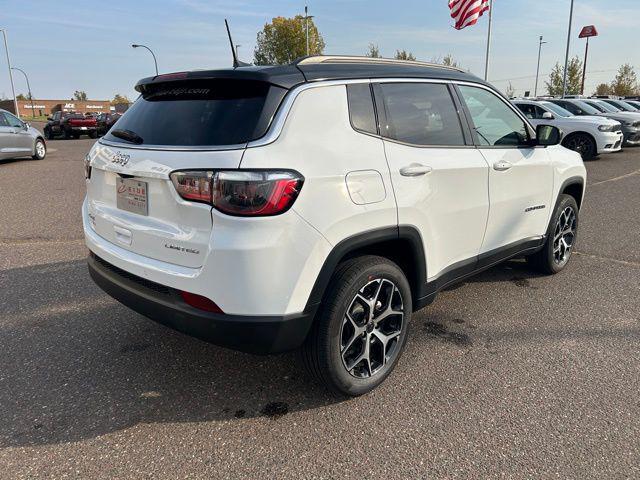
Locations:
{"points": [[201, 113]]}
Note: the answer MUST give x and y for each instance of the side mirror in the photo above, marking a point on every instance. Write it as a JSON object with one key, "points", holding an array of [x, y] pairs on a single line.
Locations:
{"points": [[26, 125], [548, 135], [547, 116]]}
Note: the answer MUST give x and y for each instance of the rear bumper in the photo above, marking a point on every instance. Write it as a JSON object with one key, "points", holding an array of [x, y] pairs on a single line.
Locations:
{"points": [[253, 334]]}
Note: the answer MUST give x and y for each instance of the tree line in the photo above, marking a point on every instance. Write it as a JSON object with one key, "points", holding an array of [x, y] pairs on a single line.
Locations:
{"points": [[624, 83]]}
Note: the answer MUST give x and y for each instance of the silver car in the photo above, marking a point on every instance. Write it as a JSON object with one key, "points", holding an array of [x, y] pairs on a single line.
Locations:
{"points": [[19, 139]]}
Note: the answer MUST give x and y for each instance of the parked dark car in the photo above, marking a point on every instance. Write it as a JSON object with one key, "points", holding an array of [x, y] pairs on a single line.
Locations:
{"points": [[106, 121], [70, 124]]}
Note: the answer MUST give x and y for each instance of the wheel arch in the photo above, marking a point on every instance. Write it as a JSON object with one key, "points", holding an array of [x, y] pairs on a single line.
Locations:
{"points": [[581, 132], [573, 186], [402, 245]]}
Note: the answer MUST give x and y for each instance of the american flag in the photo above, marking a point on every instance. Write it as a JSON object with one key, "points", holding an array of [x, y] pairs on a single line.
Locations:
{"points": [[467, 12]]}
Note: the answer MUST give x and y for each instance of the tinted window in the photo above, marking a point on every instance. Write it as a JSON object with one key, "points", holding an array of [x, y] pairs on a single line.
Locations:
{"points": [[605, 106], [13, 121], [557, 110], [528, 110], [361, 110], [201, 112], [494, 122], [420, 114], [3, 121], [571, 107]]}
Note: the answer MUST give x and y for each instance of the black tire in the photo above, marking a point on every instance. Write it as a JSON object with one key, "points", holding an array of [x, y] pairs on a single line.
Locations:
{"points": [[40, 153], [582, 143], [555, 255], [76, 135], [67, 134], [48, 133], [334, 343], [93, 134]]}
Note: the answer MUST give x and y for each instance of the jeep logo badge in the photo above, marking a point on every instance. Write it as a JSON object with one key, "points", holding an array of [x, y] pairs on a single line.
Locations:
{"points": [[120, 158]]}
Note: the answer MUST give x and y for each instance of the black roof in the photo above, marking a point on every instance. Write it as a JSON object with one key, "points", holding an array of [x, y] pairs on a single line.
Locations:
{"points": [[319, 68]]}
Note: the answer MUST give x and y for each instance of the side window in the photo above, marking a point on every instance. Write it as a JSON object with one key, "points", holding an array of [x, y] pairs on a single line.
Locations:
{"points": [[420, 114], [56, 116], [3, 120], [493, 121], [528, 110], [361, 110], [13, 121], [539, 111]]}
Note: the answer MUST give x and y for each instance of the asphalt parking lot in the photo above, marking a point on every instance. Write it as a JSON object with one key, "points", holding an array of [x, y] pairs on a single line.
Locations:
{"points": [[510, 374]]}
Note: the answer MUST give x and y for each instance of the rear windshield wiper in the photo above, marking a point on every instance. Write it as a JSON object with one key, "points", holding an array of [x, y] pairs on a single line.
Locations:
{"points": [[127, 135]]}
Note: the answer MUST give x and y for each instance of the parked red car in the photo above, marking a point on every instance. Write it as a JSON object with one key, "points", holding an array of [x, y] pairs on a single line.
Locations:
{"points": [[70, 124]]}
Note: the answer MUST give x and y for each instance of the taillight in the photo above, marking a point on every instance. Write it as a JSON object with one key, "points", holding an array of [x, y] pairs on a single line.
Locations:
{"points": [[194, 186], [241, 192]]}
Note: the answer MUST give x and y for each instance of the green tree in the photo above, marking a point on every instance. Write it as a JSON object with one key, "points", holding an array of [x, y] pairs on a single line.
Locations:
{"points": [[21, 96], [603, 89], [284, 39], [449, 61], [118, 99], [574, 78], [404, 55], [80, 96], [625, 83], [373, 51]]}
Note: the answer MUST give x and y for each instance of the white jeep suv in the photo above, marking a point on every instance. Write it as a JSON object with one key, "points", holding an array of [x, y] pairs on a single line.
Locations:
{"points": [[319, 204], [588, 135]]}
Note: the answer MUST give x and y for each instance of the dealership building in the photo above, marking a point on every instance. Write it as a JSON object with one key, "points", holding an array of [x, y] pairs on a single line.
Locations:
{"points": [[47, 107]]}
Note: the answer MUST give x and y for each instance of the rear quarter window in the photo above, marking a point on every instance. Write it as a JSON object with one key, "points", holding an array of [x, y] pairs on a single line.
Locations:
{"points": [[201, 113], [361, 111]]}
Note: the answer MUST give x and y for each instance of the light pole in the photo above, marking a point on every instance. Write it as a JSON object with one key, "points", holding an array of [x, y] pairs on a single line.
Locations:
{"points": [[13, 90], [33, 110], [535, 90], [306, 26], [566, 57], [135, 45]]}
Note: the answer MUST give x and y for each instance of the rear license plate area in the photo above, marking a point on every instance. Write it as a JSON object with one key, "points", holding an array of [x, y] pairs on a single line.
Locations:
{"points": [[132, 195]]}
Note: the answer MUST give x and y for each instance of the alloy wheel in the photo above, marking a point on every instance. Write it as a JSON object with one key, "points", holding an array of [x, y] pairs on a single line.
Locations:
{"points": [[371, 328], [564, 236], [40, 149]]}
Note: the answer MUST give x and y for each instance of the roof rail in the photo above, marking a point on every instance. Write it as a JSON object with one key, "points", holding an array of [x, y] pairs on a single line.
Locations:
{"points": [[315, 59]]}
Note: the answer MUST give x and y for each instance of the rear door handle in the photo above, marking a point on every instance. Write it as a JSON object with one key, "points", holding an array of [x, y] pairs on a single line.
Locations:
{"points": [[502, 165], [415, 170]]}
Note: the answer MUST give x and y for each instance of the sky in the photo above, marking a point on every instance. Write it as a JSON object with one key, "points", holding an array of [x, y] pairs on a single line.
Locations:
{"points": [[69, 45]]}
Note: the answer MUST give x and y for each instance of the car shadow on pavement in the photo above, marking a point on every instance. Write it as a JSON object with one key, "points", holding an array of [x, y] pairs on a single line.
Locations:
{"points": [[76, 364]]}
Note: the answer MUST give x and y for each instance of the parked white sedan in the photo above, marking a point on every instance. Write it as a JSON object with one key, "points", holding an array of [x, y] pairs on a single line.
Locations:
{"points": [[587, 135]]}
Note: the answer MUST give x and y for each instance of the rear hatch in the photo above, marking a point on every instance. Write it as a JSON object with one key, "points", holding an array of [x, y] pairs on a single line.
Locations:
{"points": [[201, 124]]}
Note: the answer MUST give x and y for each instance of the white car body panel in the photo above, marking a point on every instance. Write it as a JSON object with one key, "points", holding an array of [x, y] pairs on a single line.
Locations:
{"points": [[268, 265]]}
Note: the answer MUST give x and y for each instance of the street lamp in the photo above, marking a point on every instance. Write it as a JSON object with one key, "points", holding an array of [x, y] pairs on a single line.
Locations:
{"points": [[306, 18], [13, 90], [135, 45], [535, 90], [33, 109]]}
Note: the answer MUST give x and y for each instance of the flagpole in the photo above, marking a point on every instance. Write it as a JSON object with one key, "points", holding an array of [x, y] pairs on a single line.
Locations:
{"points": [[486, 63]]}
